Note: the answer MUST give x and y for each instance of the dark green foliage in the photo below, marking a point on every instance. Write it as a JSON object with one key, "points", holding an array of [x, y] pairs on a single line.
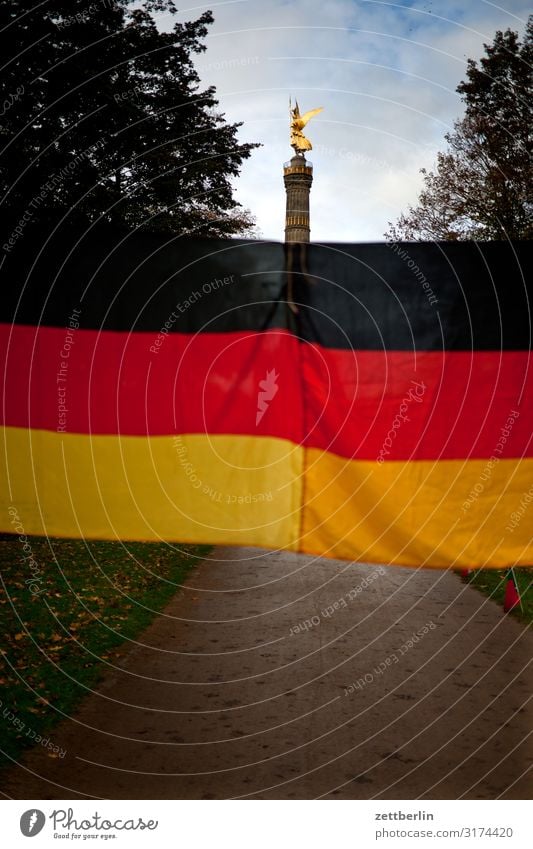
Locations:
{"points": [[102, 115], [481, 187]]}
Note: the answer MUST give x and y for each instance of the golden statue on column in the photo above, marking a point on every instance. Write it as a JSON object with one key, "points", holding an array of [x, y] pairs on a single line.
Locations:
{"points": [[298, 141]]}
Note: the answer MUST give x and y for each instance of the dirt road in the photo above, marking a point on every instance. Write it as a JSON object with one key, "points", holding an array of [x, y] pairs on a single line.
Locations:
{"points": [[275, 675]]}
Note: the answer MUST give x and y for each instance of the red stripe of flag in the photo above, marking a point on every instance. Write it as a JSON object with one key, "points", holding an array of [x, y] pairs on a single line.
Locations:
{"points": [[358, 403]]}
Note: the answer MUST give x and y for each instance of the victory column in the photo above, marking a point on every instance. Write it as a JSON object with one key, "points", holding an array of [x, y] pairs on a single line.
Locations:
{"points": [[298, 176]]}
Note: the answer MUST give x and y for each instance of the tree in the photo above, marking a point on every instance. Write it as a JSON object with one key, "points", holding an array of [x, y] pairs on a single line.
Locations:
{"points": [[481, 187], [102, 117]]}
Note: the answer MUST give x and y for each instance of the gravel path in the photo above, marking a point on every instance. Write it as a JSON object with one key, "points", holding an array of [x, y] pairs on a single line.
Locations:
{"points": [[275, 675]]}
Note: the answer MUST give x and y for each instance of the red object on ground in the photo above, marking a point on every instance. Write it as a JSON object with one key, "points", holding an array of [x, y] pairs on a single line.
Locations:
{"points": [[512, 598], [465, 573]]}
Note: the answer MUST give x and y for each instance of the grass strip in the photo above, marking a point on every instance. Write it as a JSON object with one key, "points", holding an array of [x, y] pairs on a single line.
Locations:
{"points": [[492, 582], [65, 607]]}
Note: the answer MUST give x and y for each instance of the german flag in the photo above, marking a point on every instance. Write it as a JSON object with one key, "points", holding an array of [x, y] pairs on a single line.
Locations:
{"points": [[363, 402]]}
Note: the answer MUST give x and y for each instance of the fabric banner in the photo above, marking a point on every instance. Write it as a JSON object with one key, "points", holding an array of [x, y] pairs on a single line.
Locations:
{"points": [[367, 402]]}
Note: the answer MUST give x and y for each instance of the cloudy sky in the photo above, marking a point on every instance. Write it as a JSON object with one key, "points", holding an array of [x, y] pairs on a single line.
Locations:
{"points": [[385, 73]]}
